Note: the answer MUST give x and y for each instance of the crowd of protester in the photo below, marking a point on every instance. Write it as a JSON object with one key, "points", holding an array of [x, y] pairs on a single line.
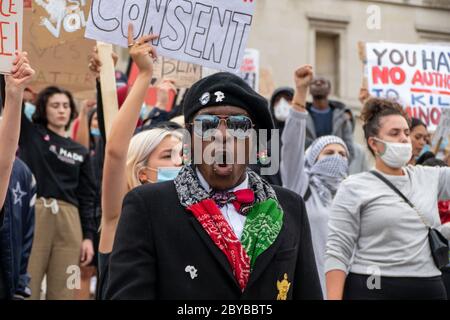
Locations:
{"points": [[132, 214]]}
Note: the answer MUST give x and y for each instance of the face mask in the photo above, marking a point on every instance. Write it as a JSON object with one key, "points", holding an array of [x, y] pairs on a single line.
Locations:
{"points": [[327, 174], [425, 149], [335, 166], [168, 174], [165, 174], [95, 132], [281, 110], [396, 155], [144, 112], [29, 110]]}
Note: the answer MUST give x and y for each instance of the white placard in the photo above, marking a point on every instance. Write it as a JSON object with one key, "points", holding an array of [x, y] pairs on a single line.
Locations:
{"points": [[249, 70], [418, 76], [211, 33], [11, 21]]}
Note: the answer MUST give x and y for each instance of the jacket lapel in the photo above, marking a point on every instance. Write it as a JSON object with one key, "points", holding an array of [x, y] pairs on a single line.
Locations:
{"points": [[215, 251]]}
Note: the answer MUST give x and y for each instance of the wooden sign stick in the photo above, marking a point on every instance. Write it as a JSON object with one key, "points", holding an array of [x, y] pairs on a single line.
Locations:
{"points": [[108, 84]]}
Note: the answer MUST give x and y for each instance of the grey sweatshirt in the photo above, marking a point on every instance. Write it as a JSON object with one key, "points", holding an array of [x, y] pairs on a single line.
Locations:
{"points": [[295, 178], [387, 235]]}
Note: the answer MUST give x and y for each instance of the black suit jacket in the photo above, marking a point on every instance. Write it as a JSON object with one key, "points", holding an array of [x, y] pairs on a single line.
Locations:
{"points": [[157, 239]]}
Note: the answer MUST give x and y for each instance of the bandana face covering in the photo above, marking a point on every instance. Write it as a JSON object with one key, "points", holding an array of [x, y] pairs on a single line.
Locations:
{"points": [[325, 174], [262, 226]]}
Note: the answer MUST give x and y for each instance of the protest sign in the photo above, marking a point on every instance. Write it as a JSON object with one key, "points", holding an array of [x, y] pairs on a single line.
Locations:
{"points": [[63, 65], [184, 74], [250, 68], [11, 20], [211, 33], [59, 21], [418, 76], [443, 129]]}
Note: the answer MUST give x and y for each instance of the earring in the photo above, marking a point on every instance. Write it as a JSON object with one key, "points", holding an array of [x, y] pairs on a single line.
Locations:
{"points": [[262, 157], [186, 154]]}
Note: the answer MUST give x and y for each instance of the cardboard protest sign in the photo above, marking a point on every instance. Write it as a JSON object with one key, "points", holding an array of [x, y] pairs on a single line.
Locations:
{"points": [[11, 20], [184, 74], [212, 33], [249, 70], [418, 76], [59, 21], [63, 65]]}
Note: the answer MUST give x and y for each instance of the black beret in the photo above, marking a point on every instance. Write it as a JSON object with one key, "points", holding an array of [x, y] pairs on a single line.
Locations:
{"points": [[228, 89]]}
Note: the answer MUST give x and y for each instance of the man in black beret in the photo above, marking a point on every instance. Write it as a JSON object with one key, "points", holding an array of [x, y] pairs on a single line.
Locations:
{"points": [[218, 231]]}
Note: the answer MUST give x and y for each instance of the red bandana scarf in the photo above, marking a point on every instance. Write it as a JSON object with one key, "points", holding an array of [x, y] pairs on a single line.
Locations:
{"points": [[210, 217]]}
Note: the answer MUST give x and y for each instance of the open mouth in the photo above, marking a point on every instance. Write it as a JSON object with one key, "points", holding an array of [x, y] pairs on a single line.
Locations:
{"points": [[223, 164]]}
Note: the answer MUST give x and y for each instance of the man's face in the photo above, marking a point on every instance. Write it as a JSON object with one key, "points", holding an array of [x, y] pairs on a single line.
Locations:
{"points": [[224, 157], [320, 87]]}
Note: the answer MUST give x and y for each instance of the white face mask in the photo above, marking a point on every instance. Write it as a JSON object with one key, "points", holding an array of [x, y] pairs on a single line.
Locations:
{"points": [[396, 155], [281, 110]]}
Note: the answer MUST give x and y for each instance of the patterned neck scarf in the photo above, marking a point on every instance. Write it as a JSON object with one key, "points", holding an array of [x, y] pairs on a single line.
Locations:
{"points": [[262, 226]]}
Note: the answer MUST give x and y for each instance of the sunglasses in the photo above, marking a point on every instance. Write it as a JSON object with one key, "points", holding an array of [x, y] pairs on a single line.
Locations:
{"points": [[238, 126]]}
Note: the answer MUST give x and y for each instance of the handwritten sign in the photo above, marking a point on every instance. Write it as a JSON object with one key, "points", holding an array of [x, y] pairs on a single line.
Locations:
{"points": [[60, 21], [211, 33], [11, 19], [183, 73], [418, 76], [443, 129], [64, 65], [250, 68]]}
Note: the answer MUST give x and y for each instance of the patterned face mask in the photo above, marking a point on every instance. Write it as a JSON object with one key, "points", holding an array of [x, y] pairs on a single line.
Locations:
{"points": [[326, 174], [330, 171]]}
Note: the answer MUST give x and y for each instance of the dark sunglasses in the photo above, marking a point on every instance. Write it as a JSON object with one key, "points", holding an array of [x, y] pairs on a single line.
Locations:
{"points": [[239, 126]]}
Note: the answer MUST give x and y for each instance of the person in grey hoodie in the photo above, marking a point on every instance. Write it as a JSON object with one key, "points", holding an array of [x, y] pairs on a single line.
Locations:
{"points": [[327, 117], [315, 174]]}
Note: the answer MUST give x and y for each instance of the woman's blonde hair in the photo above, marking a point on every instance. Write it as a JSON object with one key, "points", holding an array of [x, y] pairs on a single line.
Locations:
{"points": [[140, 149]]}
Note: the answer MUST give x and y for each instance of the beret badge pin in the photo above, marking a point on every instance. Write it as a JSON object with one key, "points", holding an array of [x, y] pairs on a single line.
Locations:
{"points": [[204, 99]]}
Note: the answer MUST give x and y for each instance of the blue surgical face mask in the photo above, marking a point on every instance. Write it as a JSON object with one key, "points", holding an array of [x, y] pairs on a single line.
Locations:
{"points": [[144, 112], [168, 174], [29, 110], [426, 148], [95, 132], [164, 174]]}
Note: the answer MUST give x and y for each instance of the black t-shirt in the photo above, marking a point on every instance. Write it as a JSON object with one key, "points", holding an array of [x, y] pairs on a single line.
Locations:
{"points": [[62, 169]]}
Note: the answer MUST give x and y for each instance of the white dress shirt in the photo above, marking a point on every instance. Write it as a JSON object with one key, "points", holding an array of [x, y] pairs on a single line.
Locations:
{"points": [[234, 218]]}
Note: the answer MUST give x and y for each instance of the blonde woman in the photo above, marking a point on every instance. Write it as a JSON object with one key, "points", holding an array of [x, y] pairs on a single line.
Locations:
{"points": [[132, 161]]}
